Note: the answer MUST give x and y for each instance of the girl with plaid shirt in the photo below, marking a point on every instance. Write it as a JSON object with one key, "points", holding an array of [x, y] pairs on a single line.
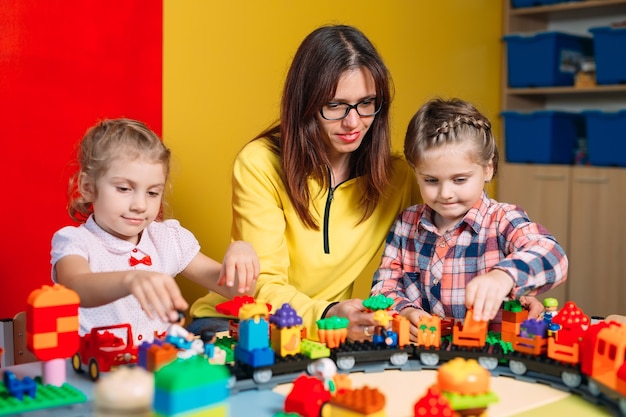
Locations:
{"points": [[461, 249]]}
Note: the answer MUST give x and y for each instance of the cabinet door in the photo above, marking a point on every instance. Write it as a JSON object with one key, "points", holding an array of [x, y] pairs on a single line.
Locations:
{"points": [[544, 192], [597, 281]]}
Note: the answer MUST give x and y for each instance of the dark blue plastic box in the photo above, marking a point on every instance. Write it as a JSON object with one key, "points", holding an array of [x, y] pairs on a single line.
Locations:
{"points": [[606, 137], [545, 59], [532, 3], [542, 137], [609, 45]]}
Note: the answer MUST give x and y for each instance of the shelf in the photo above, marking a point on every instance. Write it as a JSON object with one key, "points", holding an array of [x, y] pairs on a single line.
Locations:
{"points": [[572, 8], [550, 91]]}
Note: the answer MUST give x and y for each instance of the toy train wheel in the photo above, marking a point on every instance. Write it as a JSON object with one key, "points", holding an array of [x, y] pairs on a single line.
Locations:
{"points": [[429, 359], [517, 367], [76, 363], [488, 363], [571, 379], [593, 388], [262, 376], [398, 359], [346, 362], [94, 369]]}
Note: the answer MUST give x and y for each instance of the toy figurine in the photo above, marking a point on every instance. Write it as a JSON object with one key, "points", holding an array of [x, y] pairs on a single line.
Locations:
{"points": [[183, 339]]}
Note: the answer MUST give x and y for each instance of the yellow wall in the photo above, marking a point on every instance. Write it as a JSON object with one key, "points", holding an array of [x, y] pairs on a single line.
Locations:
{"points": [[225, 61]]}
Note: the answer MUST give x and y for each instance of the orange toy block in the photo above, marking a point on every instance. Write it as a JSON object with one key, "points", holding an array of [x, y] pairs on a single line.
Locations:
{"points": [[364, 401], [471, 333], [429, 331], [52, 322]]}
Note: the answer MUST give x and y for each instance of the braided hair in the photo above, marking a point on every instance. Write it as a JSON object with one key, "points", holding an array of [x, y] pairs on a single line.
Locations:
{"points": [[440, 122]]}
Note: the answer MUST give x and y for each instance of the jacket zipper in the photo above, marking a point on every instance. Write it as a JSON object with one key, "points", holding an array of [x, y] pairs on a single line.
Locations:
{"points": [[329, 200]]}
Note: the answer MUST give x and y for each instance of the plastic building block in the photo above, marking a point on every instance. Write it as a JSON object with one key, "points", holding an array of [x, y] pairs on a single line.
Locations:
{"points": [[314, 350], [232, 307], [126, 392], [471, 333], [253, 334], [255, 358], [47, 396], [429, 331], [286, 341], [190, 384], [307, 397], [433, 404], [378, 302], [332, 330], [402, 327], [286, 317], [227, 345], [18, 388], [52, 322], [465, 384], [364, 401]]}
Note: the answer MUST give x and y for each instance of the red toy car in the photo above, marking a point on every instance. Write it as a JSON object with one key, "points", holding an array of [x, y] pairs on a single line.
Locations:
{"points": [[105, 348]]}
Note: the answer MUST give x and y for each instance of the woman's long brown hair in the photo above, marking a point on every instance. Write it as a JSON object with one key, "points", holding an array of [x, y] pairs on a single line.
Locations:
{"points": [[321, 59]]}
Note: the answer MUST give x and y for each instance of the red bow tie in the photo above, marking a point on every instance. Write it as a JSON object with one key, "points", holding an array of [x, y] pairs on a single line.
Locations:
{"points": [[145, 260]]}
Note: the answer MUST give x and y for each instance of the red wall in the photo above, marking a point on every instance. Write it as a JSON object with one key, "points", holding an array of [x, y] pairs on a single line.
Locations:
{"points": [[63, 66]]}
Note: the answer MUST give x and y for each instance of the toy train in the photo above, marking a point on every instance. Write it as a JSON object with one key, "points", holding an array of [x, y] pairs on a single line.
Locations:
{"points": [[568, 350]]}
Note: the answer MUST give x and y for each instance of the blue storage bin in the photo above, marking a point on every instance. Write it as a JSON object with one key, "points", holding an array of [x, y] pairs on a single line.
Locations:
{"points": [[609, 45], [545, 59], [606, 137], [532, 3], [543, 137]]}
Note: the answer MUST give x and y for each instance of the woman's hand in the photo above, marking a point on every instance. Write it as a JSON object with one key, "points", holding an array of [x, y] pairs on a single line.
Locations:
{"points": [[534, 306], [361, 324]]}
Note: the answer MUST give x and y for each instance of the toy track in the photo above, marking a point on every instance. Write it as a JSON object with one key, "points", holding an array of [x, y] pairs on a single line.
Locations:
{"points": [[379, 362]]}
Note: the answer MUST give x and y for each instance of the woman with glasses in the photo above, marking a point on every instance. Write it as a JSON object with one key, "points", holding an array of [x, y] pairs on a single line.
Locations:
{"points": [[317, 193]]}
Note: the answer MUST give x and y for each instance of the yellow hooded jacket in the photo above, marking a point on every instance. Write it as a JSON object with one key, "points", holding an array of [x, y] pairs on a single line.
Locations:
{"points": [[303, 267]]}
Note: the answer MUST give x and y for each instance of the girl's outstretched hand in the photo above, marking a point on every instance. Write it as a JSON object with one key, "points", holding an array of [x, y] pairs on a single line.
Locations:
{"points": [[157, 293], [485, 293], [241, 263]]}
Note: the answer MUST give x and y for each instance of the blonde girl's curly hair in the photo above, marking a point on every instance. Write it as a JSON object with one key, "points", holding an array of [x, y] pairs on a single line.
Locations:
{"points": [[440, 122], [106, 141]]}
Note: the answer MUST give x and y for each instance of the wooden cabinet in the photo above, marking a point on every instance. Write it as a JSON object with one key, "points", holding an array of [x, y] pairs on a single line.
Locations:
{"points": [[597, 244], [544, 192], [582, 206]]}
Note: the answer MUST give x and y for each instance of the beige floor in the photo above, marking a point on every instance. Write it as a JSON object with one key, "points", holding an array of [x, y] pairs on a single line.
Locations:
{"points": [[520, 399]]}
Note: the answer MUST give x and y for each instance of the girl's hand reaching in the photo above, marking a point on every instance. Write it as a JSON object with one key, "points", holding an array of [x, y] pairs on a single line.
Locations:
{"points": [[485, 293], [413, 314], [240, 263], [157, 293]]}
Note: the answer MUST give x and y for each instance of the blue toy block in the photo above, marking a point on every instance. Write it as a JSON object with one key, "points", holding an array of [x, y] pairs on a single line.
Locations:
{"points": [[18, 388], [255, 358], [378, 339], [142, 353], [254, 334]]}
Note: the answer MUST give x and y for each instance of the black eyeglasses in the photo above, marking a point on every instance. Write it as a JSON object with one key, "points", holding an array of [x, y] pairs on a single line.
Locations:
{"points": [[337, 111]]}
